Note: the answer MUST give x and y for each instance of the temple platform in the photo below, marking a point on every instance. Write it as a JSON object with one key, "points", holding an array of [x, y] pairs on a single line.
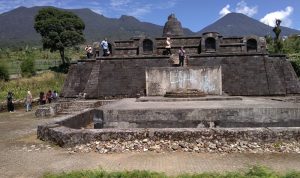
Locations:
{"points": [[209, 111]]}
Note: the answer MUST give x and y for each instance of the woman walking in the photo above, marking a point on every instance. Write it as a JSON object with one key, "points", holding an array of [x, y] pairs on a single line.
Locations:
{"points": [[28, 101]]}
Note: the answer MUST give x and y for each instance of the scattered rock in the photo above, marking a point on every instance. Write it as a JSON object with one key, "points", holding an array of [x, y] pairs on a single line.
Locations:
{"points": [[200, 145]]}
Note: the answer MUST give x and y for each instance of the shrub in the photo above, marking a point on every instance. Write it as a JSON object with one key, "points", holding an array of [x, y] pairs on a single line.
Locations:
{"points": [[63, 68], [4, 75], [295, 61], [28, 67]]}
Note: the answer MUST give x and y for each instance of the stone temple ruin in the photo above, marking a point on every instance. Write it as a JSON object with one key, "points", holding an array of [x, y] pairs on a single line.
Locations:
{"points": [[226, 70]]}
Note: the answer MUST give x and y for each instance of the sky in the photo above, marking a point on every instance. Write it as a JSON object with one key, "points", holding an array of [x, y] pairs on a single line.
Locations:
{"points": [[193, 14]]}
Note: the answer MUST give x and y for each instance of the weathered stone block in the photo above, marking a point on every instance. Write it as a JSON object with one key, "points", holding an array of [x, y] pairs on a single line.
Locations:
{"points": [[162, 80]]}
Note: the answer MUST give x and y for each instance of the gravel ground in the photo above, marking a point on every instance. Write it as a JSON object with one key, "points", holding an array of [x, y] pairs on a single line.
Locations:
{"points": [[22, 155]]}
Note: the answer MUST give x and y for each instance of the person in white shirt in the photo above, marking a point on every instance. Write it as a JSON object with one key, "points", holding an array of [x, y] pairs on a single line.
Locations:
{"points": [[104, 45], [168, 46]]}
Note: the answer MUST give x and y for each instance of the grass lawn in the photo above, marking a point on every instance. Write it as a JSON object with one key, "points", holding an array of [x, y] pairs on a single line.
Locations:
{"points": [[253, 172]]}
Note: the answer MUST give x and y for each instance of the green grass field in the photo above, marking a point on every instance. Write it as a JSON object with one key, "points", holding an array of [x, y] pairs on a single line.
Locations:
{"points": [[253, 172]]}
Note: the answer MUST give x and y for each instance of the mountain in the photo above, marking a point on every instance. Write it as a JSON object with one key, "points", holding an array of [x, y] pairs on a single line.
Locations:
{"points": [[236, 24], [17, 26]]}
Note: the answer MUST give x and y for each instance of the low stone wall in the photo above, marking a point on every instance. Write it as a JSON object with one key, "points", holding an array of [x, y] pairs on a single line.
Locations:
{"points": [[78, 121], [67, 137], [50, 109], [58, 107]]}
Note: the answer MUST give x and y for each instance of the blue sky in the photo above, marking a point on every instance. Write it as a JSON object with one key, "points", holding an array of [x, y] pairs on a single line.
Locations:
{"points": [[193, 14]]}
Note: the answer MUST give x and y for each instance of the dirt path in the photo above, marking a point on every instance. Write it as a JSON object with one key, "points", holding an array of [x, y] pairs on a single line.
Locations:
{"points": [[22, 155]]}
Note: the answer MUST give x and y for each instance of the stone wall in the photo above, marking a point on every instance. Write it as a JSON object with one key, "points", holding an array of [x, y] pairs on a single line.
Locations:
{"points": [[160, 80], [192, 45], [242, 74], [77, 79], [69, 137], [111, 78], [253, 75]]}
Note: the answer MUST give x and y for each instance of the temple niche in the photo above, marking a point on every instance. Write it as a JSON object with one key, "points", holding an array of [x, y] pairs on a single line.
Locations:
{"points": [[238, 65]]}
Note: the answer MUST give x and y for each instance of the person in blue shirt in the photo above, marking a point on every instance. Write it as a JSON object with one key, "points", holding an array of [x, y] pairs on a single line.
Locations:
{"points": [[104, 45]]}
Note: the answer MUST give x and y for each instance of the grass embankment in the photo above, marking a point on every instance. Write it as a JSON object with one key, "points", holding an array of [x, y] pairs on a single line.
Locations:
{"points": [[42, 82], [254, 172]]}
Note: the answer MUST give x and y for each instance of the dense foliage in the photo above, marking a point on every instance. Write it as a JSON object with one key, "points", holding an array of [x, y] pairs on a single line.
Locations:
{"points": [[289, 46], [254, 172], [59, 30], [4, 75], [28, 66]]}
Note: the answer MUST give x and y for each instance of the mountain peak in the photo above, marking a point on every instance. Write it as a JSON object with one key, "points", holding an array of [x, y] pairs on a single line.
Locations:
{"points": [[237, 24], [128, 18]]}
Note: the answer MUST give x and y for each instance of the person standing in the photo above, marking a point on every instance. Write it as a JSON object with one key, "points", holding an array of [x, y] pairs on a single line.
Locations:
{"points": [[10, 104], [28, 101], [168, 46], [89, 51], [181, 54], [104, 45]]}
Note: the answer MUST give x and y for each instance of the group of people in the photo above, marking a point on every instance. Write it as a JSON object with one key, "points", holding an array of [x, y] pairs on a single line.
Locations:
{"points": [[106, 52], [48, 97], [27, 102], [44, 98], [181, 51], [104, 45]]}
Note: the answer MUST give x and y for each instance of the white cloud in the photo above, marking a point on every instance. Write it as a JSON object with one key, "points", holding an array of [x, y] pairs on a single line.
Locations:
{"points": [[140, 11], [98, 11], [118, 3], [283, 15], [225, 10], [242, 7], [138, 8], [165, 4]]}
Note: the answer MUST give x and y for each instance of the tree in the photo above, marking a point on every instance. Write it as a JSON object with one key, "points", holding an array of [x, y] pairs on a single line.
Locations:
{"points": [[291, 45], [277, 42], [59, 30]]}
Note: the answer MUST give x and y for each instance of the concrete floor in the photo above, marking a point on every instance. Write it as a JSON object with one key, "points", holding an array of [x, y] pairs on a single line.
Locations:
{"points": [[222, 102], [18, 131]]}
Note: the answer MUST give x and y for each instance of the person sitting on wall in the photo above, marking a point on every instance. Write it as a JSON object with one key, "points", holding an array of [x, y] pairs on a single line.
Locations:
{"points": [[49, 96], [55, 96], [168, 46], [181, 54], [104, 45], [89, 51]]}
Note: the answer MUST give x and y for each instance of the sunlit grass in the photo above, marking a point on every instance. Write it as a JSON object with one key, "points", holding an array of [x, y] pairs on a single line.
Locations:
{"points": [[42, 82], [253, 172]]}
